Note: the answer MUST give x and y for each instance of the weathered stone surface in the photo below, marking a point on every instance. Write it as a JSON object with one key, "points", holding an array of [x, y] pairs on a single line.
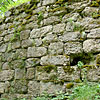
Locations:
{"points": [[70, 36], [94, 33], [36, 33], [8, 13], [50, 87], [70, 27], [2, 88], [8, 37], [46, 73], [2, 27], [51, 20], [24, 34], [55, 60], [20, 73], [16, 45], [6, 75], [34, 88], [73, 48], [1, 38], [91, 46], [38, 42], [48, 2], [19, 86], [3, 48], [55, 48], [6, 66], [68, 73], [36, 51], [59, 28], [27, 43], [30, 73], [32, 62]]}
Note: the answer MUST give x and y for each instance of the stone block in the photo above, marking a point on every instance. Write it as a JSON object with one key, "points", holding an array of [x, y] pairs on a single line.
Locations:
{"points": [[55, 60], [36, 51], [48, 2], [3, 48]]}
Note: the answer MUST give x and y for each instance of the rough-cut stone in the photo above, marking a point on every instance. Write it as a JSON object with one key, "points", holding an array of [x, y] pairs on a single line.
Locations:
{"points": [[6, 75], [55, 60], [24, 34], [8, 37], [2, 27], [2, 88], [15, 45], [6, 66], [51, 20], [48, 2], [27, 43], [70, 36], [19, 73], [32, 62], [91, 46], [59, 28], [56, 48], [50, 87], [73, 48], [46, 73], [36, 51], [50, 37], [34, 88], [7, 14], [30, 73], [38, 42], [3, 48], [70, 27], [68, 73], [94, 33], [19, 86], [37, 33]]}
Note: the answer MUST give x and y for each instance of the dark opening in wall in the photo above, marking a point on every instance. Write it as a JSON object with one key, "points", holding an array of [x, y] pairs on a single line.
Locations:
{"points": [[84, 57]]}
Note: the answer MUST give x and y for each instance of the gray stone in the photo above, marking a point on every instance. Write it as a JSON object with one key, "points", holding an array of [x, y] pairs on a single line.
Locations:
{"points": [[50, 88], [68, 73], [6, 66], [19, 86], [38, 42], [37, 33], [70, 27], [6, 75], [55, 48], [24, 34], [7, 14], [3, 48], [48, 2], [59, 28], [16, 45], [44, 73], [8, 37], [34, 88], [91, 46], [30, 73], [19, 73], [55, 60], [73, 48], [2, 88], [26, 43], [1, 38], [70, 36], [94, 33], [36, 51], [2, 27], [51, 20], [32, 62]]}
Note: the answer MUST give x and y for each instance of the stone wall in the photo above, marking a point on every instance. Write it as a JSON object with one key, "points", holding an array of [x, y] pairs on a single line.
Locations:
{"points": [[41, 43]]}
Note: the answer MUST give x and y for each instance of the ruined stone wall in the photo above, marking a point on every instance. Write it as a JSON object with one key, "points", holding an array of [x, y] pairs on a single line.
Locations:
{"points": [[41, 43]]}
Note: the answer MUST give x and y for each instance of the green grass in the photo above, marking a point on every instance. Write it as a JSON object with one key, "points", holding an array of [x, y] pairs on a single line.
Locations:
{"points": [[9, 5]]}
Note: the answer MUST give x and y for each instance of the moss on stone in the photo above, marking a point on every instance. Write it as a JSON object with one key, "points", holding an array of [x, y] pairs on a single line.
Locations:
{"points": [[47, 69], [77, 80], [69, 85], [68, 69], [89, 66], [98, 59]]}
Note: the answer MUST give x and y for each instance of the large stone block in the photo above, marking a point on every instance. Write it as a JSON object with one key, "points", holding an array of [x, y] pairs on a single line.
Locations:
{"points": [[73, 48], [55, 48], [91, 46], [16, 45], [36, 51], [94, 34], [34, 88], [55, 60], [70, 36], [37, 33], [3, 48], [6, 75]]}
